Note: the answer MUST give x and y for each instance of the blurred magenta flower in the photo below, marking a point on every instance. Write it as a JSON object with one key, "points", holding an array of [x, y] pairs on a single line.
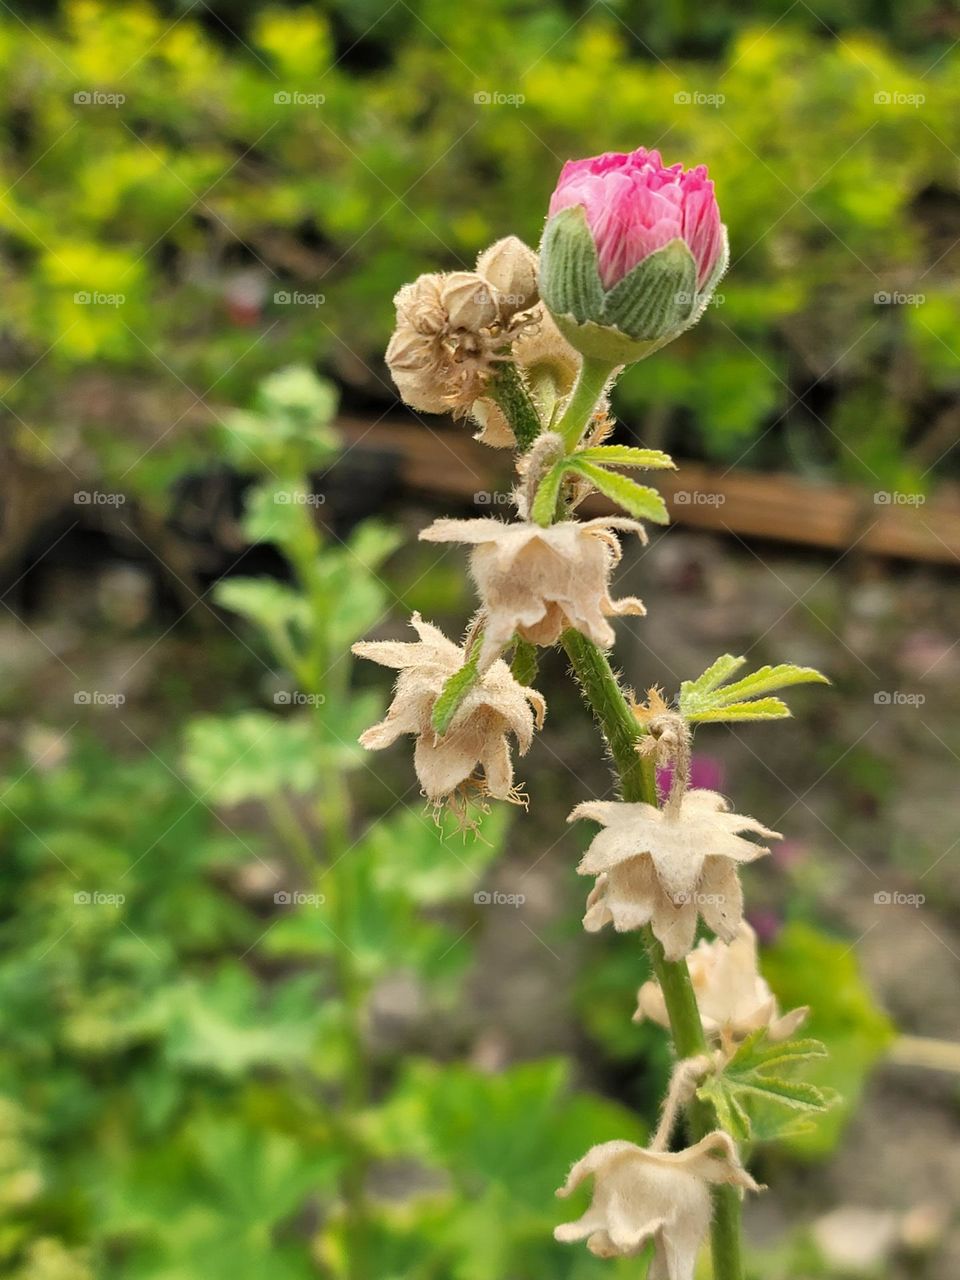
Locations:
{"points": [[631, 253], [635, 205], [706, 774]]}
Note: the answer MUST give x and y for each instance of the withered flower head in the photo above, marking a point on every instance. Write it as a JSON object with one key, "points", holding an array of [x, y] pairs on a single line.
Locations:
{"points": [[641, 1195], [449, 767], [665, 867], [537, 582], [732, 995]]}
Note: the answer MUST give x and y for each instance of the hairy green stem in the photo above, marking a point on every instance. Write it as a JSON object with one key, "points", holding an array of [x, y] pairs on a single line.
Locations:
{"points": [[620, 729], [512, 395], [591, 380]]}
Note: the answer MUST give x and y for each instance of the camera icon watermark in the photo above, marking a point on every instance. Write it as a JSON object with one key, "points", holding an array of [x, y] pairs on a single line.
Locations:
{"points": [[698, 498], [698, 899], [97, 698], [896, 498], [294, 98], [895, 98], [895, 298], [494, 898], [95, 98], [696, 98], [94, 498], [294, 298], [887, 898], [294, 898], [494, 98], [94, 298], [491, 498], [294, 698], [84, 898], [898, 698], [298, 498]]}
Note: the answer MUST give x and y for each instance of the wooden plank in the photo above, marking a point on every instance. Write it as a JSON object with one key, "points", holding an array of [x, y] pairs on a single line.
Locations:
{"points": [[778, 507]]}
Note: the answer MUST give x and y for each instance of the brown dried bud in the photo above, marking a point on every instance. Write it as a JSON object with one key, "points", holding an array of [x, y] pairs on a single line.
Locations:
{"points": [[469, 301], [511, 267]]}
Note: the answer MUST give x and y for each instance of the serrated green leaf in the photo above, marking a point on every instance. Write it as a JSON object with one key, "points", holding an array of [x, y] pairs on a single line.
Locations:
{"points": [[709, 698], [762, 709], [712, 678], [789, 1093], [768, 1053], [767, 679], [625, 455], [806, 964], [454, 691], [638, 500], [750, 1096]]}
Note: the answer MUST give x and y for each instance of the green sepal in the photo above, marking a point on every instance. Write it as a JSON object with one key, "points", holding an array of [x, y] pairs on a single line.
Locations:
{"points": [[658, 297], [525, 664], [455, 690], [570, 282]]}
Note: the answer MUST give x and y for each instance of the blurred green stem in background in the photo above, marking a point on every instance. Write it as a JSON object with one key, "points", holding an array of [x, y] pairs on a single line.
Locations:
{"points": [[622, 732], [323, 676]]}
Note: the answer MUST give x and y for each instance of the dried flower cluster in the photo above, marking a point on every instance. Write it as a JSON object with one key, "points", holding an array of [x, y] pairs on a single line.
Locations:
{"points": [[455, 328], [623, 232]]}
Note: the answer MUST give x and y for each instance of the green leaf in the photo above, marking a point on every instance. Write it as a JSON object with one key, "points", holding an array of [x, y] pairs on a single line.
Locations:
{"points": [[762, 709], [625, 455], [637, 500], [715, 674], [807, 966], [227, 1025], [710, 698], [454, 691], [251, 756], [263, 601], [373, 542], [755, 1099], [769, 678], [548, 491]]}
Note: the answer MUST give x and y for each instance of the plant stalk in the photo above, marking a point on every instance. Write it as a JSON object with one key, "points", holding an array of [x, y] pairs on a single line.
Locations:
{"points": [[591, 380], [637, 774]]}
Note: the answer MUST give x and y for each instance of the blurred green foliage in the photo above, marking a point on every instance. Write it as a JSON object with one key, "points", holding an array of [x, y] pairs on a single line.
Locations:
{"points": [[247, 223]]}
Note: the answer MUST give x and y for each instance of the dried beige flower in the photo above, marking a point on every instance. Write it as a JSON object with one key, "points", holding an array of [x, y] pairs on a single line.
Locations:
{"points": [[664, 867], [453, 328], [496, 706], [536, 582], [732, 995], [641, 1195]]}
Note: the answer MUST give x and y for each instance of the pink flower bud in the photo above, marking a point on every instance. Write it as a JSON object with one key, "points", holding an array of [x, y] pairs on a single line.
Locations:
{"points": [[635, 205], [631, 253]]}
